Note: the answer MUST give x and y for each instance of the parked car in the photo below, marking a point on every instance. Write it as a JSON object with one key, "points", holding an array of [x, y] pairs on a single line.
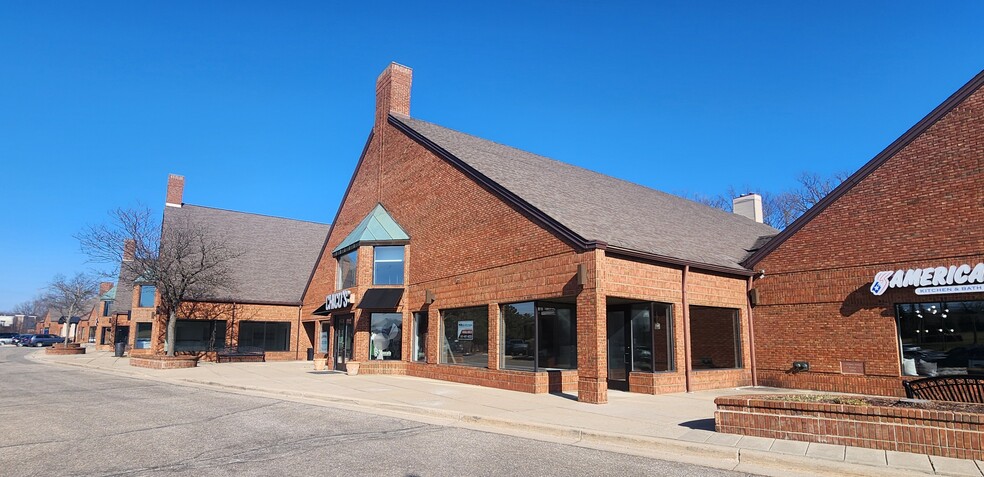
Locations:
{"points": [[7, 338], [22, 339], [517, 347], [44, 340]]}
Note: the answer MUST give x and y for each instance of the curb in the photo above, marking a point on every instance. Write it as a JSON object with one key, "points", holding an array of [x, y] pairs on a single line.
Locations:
{"points": [[707, 455]]}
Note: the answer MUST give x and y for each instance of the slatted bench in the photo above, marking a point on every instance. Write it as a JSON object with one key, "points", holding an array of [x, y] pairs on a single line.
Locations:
{"points": [[240, 354], [946, 388]]}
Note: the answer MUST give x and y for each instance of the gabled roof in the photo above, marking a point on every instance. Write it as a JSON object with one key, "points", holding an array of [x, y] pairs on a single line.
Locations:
{"points": [[915, 131], [377, 227], [278, 254], [591, 209]]}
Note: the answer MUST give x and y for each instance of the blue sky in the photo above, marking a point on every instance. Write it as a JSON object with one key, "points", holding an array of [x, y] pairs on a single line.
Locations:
{"points": [[265, 106]]}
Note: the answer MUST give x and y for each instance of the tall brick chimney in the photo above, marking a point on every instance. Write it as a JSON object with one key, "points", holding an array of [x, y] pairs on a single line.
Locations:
{"points": [[175, 191], [105, 287], [393, 92], [129, 250]]}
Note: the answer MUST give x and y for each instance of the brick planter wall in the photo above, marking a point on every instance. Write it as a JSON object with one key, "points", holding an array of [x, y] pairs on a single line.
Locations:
{"points": [[61, 349], [943, 433], [164, 362]]}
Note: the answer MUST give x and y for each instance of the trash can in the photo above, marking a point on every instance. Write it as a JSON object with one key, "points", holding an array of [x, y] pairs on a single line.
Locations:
{"points": [[310, 354], [120, 348]]}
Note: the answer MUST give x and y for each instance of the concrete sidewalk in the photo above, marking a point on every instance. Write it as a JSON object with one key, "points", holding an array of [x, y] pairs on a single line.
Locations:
{"points": [[675, 427]]}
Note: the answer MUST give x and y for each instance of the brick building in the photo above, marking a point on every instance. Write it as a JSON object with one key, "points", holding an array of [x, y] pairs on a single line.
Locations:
{"points": [[260, 307], [883, 280], [457, 258]]}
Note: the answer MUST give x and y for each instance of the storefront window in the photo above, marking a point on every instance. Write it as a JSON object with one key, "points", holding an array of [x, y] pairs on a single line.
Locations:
{"points": [[346, 270], [269, 335], [420, 336], [538, 335], [519, 336], [147, 296], [142, 340], [385, 336], [941, 338], [387, 265], [199, 335], [465, 341], [715, 338], [323, 342], [652, 341]]}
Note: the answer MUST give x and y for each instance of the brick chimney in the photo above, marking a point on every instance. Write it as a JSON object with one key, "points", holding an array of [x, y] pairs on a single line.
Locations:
{"points": [[748, 205], [175, 191], [105, 287], [393, 92], [129, 250]]}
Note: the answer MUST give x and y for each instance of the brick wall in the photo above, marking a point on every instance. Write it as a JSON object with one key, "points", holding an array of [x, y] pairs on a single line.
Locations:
{"points": [[944, 433], [234, 315], [469, 248], [921, 208]]}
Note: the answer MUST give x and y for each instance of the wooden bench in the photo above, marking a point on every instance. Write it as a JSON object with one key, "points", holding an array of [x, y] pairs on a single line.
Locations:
{"points": [[240, 353], [946, 388]]}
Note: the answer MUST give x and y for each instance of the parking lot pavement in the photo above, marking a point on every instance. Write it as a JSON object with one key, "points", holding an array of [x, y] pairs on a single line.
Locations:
{"points": [[675, 426], [68, 421]]}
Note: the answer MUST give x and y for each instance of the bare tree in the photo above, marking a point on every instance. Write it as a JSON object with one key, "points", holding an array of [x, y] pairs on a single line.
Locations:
{"points": [[71, 296], [780, 209], [185, 259], [772, 210]]}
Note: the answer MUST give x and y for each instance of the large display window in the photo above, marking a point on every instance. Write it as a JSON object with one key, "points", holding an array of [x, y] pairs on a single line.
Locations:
{"points": [[941, 338], [269, 335], [199, 335], [465, 340], [386, 336], [538, 336]]}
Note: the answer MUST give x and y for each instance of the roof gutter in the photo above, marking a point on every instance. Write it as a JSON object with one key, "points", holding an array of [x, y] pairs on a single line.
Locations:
{"points": [[610, 250]]}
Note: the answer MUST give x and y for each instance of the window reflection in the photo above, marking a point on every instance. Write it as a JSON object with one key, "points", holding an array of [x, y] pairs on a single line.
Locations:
{"points": [[941, 338]]}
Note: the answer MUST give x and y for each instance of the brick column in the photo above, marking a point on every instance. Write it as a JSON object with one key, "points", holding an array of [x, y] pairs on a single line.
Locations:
{"points": [[592, 359], [433, 335], [493, 336], [406, 335], [360, 342]]}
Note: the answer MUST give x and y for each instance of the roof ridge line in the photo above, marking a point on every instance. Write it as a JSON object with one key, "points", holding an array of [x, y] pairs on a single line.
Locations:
{"points": [[254, 213]]}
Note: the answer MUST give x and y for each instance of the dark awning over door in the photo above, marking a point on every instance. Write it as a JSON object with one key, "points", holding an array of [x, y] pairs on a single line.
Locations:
{"points": [[381, 299]]}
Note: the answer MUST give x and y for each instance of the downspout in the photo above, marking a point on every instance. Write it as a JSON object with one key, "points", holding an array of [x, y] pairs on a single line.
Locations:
{"points": [[297, 340], [687, 361], [751, 335]]}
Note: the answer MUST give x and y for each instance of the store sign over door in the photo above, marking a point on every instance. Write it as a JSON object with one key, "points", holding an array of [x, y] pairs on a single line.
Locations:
{"points": [[933, 280], [339, 300]]}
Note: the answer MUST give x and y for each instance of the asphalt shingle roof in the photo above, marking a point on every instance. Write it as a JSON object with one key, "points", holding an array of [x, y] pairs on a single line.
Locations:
{"points": [[278, 254], [603, 208]]}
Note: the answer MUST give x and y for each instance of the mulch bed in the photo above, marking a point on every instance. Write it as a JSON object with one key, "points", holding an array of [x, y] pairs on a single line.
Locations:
{"points": [[879, 401]]}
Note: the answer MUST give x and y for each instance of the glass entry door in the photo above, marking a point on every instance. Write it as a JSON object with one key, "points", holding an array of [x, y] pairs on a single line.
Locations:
{"points": [[344, 330], [619, 361]]}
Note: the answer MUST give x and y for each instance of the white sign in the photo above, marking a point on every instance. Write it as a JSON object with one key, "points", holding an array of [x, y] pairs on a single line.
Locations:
{"points": [[339, 300], [932, 280], [466, 330]]}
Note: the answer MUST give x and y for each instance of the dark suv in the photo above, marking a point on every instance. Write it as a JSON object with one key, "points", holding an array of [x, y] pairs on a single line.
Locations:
{"points": [[44, 340]]}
